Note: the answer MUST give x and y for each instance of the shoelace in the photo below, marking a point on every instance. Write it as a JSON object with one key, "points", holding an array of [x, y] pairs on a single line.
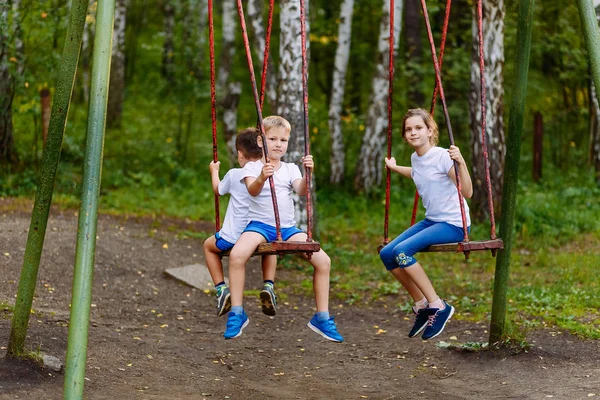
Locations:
{"points": [[431, 319]]}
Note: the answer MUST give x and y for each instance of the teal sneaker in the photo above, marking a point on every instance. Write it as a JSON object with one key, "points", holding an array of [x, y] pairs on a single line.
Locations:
{"points": [[421, 319], [437, 320], [223, 300], [326, 328], [235, 325], [268, 299]]}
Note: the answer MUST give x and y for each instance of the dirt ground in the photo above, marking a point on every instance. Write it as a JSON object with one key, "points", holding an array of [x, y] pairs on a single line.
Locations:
{"points": [[152, 337]]}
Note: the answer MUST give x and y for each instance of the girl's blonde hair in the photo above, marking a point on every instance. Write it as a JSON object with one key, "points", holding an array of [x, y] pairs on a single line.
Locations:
{"points": [[427, 119], [275, 121]]}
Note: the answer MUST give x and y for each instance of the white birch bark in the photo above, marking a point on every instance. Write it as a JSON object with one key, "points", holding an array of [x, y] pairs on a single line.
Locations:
{"points": [[369, 168], [18, 36], [595, 126], [230, 24], [255, 19], [289, 91], [338, 152], [86, 51], [116, 93], [493, 48]]}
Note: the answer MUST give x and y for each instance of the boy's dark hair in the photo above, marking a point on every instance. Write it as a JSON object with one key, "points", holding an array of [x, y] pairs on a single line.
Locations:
{"points": [[246, 143]]}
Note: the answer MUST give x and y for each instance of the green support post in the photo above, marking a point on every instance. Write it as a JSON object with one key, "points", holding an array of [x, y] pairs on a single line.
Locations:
{"points": [[511, 169], [43, 196], [589, 24], [88, 211]]}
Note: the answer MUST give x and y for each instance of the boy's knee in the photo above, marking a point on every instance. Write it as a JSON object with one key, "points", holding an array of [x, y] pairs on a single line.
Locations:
{"points": [[323, 263]]}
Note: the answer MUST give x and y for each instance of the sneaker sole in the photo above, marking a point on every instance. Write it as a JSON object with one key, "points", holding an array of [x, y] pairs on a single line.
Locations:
{"points": [[443, 326], [268, 306], [241, 329], [226, 306], [421, 329], [317, 330]]}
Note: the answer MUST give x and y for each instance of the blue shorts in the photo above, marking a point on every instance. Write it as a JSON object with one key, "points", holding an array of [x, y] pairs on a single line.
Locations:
{"points": [[222, 244], [270, 232]]}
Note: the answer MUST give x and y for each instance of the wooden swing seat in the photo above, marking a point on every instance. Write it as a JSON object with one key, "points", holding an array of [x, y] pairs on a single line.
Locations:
{"points": [[281, 248], [464, 247]]}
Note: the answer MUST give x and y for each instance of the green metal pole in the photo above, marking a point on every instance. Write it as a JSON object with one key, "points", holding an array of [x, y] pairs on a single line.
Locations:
{"points": [[589, 24], [511, 169], [43, 197], [88, 211]]}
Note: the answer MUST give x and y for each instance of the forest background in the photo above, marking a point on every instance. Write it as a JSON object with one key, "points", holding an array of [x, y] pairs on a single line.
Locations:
{"points": [[158, 139]]}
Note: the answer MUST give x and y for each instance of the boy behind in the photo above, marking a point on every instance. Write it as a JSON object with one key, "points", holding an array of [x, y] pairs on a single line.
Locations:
{"points": [[261, 228], [236, 219]]}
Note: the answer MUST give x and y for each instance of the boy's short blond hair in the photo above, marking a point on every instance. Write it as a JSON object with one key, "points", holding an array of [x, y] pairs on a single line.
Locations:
{"points": [[275, 121]]}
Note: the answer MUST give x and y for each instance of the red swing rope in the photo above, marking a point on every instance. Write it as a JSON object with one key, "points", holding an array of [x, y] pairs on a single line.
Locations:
{"points": [[308, 171], [413, 218], [386, 239], [488, 181], [213, 99], [438, 78], [259, 113]]}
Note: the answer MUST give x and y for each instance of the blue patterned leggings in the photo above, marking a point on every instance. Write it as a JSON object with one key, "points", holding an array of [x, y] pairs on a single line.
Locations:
{"points": [[399, 252]]}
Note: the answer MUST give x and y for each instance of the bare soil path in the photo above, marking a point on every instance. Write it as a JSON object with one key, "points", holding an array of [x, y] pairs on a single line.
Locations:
{"points": [[152, 337]]}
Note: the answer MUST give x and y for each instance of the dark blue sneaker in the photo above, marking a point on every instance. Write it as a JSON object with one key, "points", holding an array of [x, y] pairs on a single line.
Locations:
{"points": [[437, 320], [223, 300], [235, 324], [326, 328], [268, 300], [421, 319]]}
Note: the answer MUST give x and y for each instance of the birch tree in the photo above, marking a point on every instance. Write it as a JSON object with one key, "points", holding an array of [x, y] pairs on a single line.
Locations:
{"points": [[86, 50], [289, 88], [194, 24], [338, 153], [369, 168], [7, 91], [229, 92], [254, 15], [116, 93], [595, 115], [493, 48], [168, 62]]}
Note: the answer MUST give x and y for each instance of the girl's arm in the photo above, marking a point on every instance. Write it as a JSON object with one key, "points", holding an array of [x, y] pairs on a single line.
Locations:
{"points": [[463, 172], [255, 185], [404, 171], [299, 185]]}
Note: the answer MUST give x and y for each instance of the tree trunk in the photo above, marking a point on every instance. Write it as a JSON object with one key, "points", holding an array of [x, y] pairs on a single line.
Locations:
{"points": [[595, 116], [337, 157], [86, 51], [168, 63], [18, 36], [493, 47], [538, 146], [369, 168], [254, 16], [230, 105], [194, 24], [289, 90], [45, 106], [414, 50], [116, 93], [8, 152]]}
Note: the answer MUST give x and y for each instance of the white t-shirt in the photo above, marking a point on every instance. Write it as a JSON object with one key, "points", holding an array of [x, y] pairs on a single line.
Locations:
{"points": [[438, 192], [261, 206], [236, 217]]}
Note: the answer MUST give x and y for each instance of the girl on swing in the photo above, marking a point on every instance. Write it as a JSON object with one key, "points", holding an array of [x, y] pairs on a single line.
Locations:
{"points": [[432, 170]]}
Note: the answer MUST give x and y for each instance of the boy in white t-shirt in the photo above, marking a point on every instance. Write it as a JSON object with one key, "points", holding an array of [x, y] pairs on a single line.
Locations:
{"points": [[261, 228], [236, 219]]}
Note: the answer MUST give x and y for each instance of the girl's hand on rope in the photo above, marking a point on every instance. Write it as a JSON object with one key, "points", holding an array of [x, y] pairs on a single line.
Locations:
{"points": [[390, 163], [214, 166], [455, 154], [308, 162]]}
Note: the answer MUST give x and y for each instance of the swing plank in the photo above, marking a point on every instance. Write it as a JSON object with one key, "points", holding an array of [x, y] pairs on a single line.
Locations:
{"points": [[461, 247], [281, 247]]}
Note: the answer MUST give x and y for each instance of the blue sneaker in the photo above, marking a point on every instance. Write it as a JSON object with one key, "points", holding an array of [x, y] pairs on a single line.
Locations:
{"points": [[223, 300], [326, 328], [268, 300], [437, 320], [235, 324], [421, 319]]}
